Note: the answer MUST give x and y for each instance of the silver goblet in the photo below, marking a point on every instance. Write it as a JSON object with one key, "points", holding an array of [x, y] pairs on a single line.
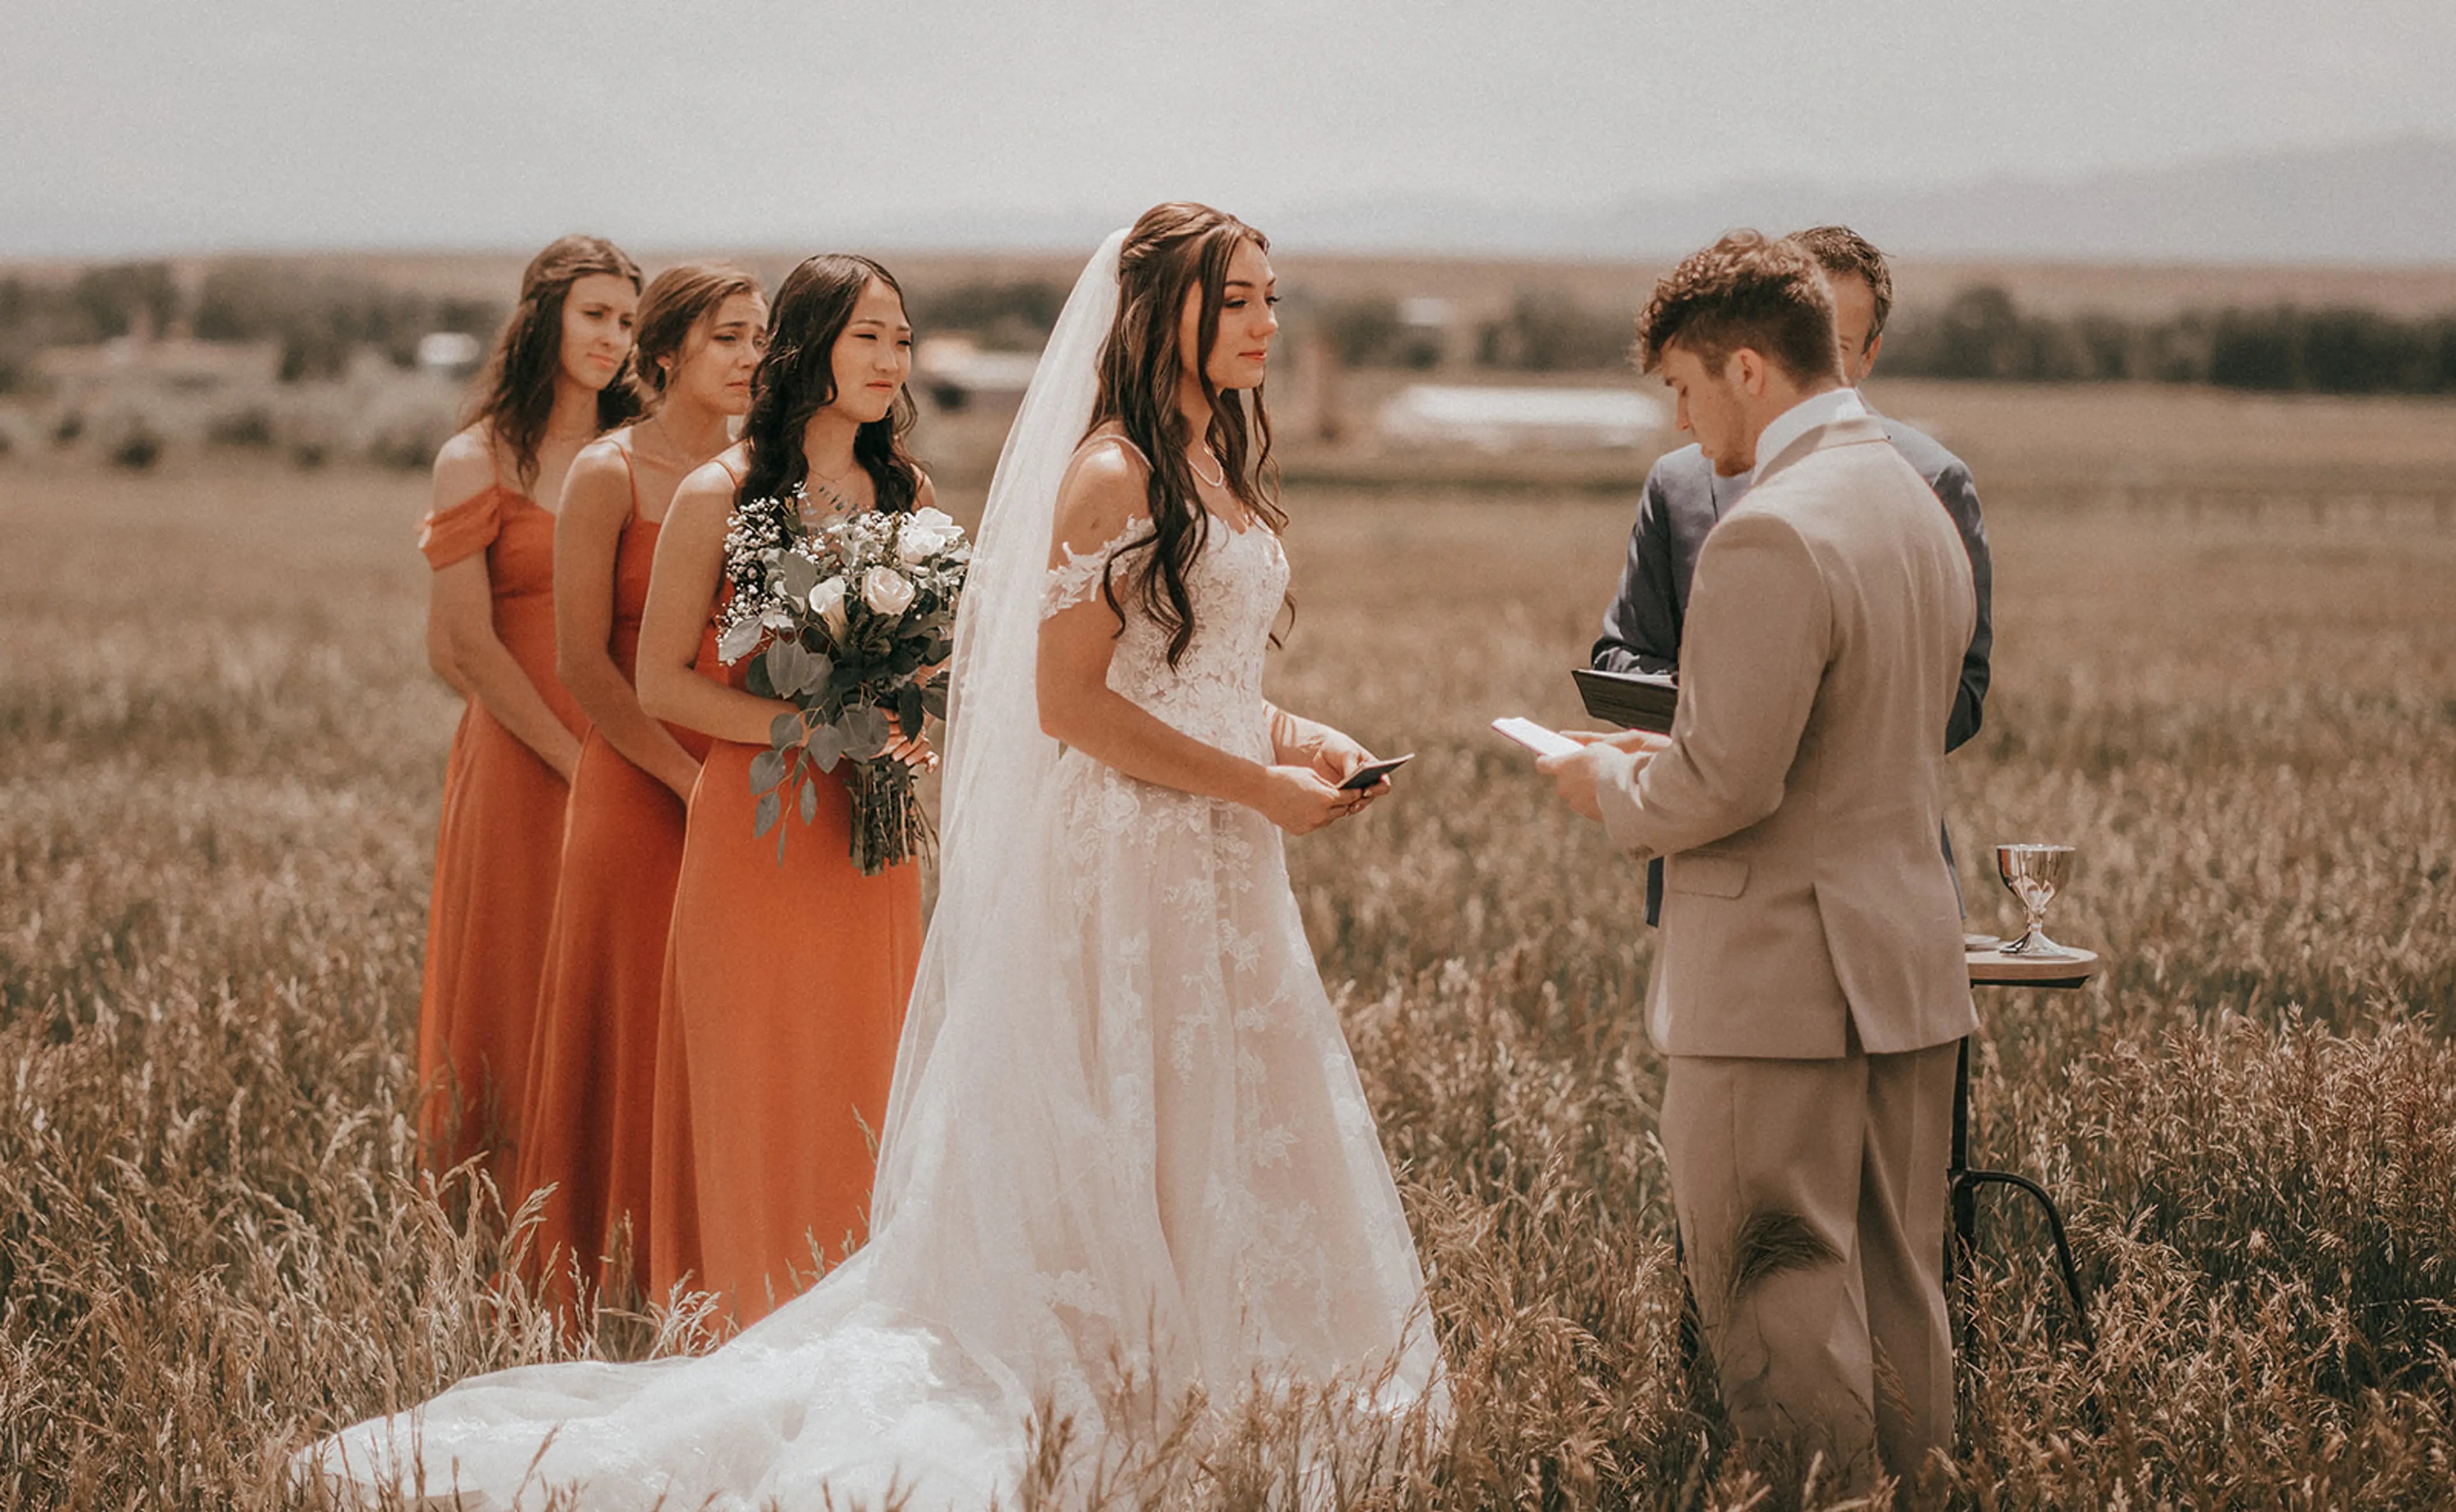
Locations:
{"points": [[2034, 874]]}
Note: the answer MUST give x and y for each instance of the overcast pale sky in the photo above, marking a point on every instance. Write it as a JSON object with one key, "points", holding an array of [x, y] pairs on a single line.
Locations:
{"points": [[164, 124]]}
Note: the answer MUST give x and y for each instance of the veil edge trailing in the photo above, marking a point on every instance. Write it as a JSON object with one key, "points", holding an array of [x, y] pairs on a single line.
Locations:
{"points": [[999, 760]]}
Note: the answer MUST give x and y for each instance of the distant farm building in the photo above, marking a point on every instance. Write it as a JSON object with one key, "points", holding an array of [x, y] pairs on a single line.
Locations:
{"points": [[1502, 419], [452, 354]]}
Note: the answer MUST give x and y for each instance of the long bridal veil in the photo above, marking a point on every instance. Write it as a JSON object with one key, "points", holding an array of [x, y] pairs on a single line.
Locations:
{"points": [[998, 762], [1076, 1191]]}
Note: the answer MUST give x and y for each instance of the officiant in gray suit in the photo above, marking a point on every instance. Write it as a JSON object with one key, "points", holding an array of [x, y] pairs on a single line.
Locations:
{"points": [[1685, 496]]}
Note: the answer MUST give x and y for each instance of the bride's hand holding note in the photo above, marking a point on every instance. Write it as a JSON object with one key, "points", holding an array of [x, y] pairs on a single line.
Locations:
{"points": [[1303, 799], [1336, 757]]}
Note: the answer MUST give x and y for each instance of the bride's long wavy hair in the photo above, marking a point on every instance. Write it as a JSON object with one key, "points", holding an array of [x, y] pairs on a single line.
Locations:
{"points": [[1171, 249], [797, 378]]}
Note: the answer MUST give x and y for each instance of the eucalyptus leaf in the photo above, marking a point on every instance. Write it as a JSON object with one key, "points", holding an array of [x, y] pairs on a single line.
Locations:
{"points": [[785, 729], [740, 640], [788, 667], [826, 747], [809, 800], [912, 708], [815, 670], [781, 661], [767, 770], [772, 806], [800, 574], [863, 731]]}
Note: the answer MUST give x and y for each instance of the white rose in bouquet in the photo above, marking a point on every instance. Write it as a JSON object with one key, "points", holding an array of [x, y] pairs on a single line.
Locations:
{"points": [[828, 603], [887, 590], [926, 533]]}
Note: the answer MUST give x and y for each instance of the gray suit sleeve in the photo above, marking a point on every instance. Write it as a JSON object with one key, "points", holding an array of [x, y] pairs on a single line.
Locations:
{"points": [[1642, 628], [1961, 497]]}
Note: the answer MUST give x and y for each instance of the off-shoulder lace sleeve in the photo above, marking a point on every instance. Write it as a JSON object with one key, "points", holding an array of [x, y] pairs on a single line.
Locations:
{"points": [[1076, 579]]}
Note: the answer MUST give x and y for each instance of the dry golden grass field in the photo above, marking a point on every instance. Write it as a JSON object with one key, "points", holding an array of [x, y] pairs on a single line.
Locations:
{"points": [[2227, 669]]}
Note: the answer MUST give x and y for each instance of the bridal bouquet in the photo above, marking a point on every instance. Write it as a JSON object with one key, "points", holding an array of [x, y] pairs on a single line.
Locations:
{"points": [[848, 624]]}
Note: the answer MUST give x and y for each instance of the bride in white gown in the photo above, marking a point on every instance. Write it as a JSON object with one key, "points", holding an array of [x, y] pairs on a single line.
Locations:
{"points": [[1126, 1143]]}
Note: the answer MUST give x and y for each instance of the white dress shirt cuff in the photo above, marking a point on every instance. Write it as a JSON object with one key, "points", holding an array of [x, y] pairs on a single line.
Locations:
{"points": [[1616, 796]]}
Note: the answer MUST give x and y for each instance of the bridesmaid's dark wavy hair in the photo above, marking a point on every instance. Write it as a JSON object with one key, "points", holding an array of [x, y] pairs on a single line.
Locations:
{"points": [[515, 393], [797, 378], [1171, 249]]}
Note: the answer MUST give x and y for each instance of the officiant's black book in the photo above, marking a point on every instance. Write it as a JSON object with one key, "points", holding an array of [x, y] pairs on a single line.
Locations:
{"points": [[1630, 700]]}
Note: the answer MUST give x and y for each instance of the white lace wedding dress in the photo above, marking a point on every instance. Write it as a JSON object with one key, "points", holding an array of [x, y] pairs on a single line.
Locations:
{"points": [[1126, 1140]]}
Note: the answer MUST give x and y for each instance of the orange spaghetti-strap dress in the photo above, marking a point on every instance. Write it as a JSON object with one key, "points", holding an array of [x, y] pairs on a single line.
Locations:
{"points": [[589, 1108], [496, 856], [673, 1247], [785, 983]]}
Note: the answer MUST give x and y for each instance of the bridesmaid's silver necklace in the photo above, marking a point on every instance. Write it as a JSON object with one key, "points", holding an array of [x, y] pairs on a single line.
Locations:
{"points": [[839, 503]]}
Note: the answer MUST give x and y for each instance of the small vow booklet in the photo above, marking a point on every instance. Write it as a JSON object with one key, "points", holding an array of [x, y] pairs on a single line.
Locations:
{"points": [[1542, 742], [1629, 699]]}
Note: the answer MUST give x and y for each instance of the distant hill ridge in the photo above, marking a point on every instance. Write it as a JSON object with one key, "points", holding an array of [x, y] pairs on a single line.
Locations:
{"points": [[2372, 203], [2380, 203], [2377, 202]]}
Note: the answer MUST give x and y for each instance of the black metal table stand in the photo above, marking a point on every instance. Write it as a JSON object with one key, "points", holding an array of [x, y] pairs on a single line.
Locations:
{"points": [[1962, 1184]]}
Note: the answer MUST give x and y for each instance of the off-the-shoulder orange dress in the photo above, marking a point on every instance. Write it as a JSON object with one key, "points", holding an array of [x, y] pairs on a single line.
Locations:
{"points": [[497, 856], [785, 984], [590, 1105]]}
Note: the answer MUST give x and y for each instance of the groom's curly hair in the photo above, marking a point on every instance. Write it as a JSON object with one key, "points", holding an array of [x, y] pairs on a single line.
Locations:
{"points": [[1744, 290]]}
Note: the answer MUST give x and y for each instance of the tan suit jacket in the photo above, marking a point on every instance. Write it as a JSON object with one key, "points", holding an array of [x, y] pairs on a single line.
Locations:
{"points": [[1800, 799]]}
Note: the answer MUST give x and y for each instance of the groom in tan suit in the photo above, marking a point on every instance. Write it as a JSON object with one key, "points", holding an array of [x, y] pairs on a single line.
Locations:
{"points": [[1809, 987]]}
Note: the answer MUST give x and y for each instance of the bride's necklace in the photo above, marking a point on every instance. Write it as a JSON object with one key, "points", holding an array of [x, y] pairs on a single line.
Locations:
{"points": [[1219, 480]]}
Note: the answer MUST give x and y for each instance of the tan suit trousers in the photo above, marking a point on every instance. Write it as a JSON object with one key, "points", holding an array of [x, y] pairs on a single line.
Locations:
{"points": [[1812, 1204]]}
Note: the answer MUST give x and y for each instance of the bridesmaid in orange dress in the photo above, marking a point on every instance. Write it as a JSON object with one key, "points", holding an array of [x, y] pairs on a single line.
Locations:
{"points": [[786, 980], [556, 380], [593, 1067]]}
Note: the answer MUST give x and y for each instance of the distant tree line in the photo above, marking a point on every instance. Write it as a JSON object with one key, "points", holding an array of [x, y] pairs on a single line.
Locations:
{"points": [[1544, 330], [96, 305], [1982, 333], [1369, 331], [319, 321], [1012, 316]]}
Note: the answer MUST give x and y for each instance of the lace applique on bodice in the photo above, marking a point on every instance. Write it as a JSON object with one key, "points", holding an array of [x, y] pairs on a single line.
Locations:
{"points": [[1215, 691]]}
